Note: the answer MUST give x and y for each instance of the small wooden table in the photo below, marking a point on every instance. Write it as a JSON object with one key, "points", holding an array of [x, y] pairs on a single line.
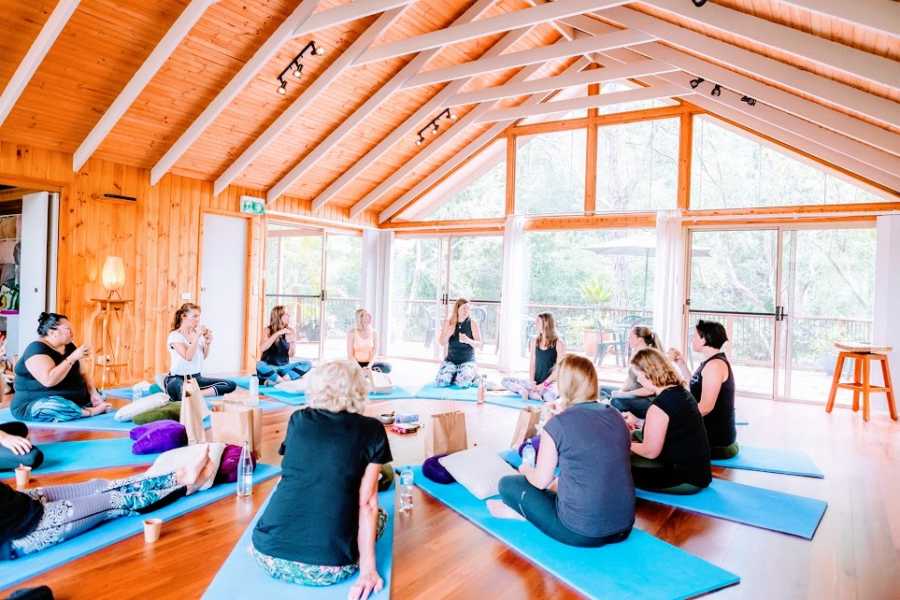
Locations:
{"points": [[862, 354]]}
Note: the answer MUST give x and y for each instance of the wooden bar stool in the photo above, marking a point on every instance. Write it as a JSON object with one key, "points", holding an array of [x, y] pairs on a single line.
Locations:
{"points": [[862, 354]]}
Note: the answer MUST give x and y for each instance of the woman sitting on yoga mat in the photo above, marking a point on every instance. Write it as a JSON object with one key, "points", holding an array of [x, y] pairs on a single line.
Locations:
{"points": [[50, 385], [276, 350], [592, 501], [362, 343], [461, 335], [547, 350], [322, 520], [712, 384], [189, 344], [16, 449], [670, 453], [632, 397], [43, 517]]}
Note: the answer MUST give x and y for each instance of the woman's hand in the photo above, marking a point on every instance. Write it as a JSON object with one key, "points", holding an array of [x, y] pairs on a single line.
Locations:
{"points": [[96, 398], [675, 356], [632, 421], [80, 352], [466, 340], [208, 334], [98, 409], [368, 582], [17, 445]]}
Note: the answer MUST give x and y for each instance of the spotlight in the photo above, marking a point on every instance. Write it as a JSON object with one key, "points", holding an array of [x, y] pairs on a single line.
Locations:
{"points": [[716, 91], [319, 50], [696, 82], [750, 101], [435, 127], [295, 67], [698, 3], [452, 116], [282, 89], [419, 140], [298, 72]]}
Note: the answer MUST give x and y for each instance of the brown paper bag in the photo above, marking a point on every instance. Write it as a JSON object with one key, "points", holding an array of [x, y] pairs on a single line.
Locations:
{"points": [[447, 433], [526, 426], [193, 410], [235, 424]]}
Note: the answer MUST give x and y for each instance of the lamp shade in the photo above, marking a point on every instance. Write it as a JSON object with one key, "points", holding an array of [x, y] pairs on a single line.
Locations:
{"points": [[113, 273]]}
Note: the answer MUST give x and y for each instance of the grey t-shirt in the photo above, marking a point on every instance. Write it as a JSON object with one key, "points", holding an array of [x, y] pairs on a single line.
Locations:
{"points": [[596, 492], [631, 382]]}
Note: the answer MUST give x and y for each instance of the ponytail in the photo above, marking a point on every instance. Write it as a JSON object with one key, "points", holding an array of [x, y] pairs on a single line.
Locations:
{"points": [[179, 314]]}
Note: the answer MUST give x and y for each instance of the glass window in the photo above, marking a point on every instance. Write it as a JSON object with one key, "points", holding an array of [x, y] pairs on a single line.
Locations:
{"points": [[734, 169], [482, 196], [550, 172], [637, 166], [566, 94], [624, 86], [416, 274]]}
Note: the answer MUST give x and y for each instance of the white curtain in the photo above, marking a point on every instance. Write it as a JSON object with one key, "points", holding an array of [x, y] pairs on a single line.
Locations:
{"points": [[511, 307], [376, 280], [886, 324], [668, 305]]}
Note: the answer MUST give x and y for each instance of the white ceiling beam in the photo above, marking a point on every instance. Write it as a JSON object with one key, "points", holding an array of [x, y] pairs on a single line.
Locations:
{"points": [[880, 15], [346, 13], [488, 64], [281, 36], [370, 105], [454, 34], [822, 88], [161, 53], [513, 89], [647, 93], [437, 101], [780, 37], [309, 95], [35, 55]]}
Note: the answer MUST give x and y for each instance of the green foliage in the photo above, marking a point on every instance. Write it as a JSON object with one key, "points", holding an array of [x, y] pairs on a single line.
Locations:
{"points": [[596, 290]]}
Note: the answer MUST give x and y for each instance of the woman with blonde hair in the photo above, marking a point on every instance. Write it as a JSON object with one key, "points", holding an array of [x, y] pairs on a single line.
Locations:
{"points": [[591, 503], [277, 349], [189, 343], [546, 351], [362, 343], [461, 335], [322, 521], [671, 451], [632, 396]]}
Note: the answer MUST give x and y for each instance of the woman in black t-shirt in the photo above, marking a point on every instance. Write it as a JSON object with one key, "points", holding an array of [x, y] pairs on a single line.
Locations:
{"points": [[277, 349], [322, 521], [461, 335], [50, 385], [671, 451]]}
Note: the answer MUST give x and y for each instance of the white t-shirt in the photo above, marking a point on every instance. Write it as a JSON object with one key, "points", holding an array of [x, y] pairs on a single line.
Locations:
{"points": [[178, 365]]}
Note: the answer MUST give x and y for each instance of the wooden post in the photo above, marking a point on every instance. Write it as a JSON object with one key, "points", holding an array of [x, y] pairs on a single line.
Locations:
{"points": [[685, 151], [510, 175], [590, 171]]}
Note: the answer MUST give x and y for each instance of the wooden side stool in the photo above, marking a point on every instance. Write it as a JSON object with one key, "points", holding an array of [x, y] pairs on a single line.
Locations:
{"points": [[862, 354]]}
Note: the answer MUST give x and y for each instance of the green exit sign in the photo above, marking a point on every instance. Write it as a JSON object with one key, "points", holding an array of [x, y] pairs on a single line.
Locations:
{"points": [[253, 206]]}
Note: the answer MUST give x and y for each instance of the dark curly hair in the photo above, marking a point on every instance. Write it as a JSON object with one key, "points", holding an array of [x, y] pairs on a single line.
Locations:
{"points": [[47, 322]]}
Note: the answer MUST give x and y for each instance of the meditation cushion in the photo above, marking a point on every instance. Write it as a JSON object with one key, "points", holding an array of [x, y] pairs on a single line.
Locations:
{"points": [[435, 471], [535, 442], [479, 470], [145, 404], [171, 411], [158, 436], [188, 456], [386, 478], [231, 456]]}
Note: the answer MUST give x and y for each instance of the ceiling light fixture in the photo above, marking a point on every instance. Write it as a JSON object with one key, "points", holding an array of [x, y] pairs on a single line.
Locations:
{"points": [[295, 67], [696, 82], [716, 91], [433, 125], [748, 100]]}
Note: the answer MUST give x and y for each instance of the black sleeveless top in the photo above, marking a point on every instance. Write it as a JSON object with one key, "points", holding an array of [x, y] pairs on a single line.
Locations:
{"points": [[278, 354], [458, 352], [720, 421], [544, 361]]}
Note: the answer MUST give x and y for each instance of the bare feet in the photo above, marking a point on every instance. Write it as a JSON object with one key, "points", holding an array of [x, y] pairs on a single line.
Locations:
{"points": [[499, 509], [197, 475], [98, 409]]}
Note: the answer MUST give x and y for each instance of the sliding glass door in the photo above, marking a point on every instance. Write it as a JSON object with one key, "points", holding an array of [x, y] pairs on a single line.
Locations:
{"points": [[475, 272]]}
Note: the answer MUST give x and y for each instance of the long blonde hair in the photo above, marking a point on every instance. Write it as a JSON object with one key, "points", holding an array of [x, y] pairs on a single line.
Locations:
{"points": [[275, 318], [338, 386], [454, 316], [548, 336], [577, 380], [656, 367]]}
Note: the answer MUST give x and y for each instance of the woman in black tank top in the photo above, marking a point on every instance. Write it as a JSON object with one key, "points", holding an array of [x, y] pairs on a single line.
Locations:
{"points": [[547, 350], [461, 335], [712, 384], [276, 351]]}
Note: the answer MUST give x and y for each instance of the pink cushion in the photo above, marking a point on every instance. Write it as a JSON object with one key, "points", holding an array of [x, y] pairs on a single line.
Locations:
{"points": [[158, 436]]}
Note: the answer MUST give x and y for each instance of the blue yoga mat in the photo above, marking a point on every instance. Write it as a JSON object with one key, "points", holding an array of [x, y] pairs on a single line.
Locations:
{"points": [[241, 577], [124, 393], [62, 457], [470, 394], [640, 567], [16, 571], [298, 398], [104, 422], [772, 460]]}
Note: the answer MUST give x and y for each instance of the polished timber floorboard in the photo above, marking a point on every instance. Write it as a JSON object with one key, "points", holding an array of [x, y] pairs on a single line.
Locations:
{"points": [[854, 555]]}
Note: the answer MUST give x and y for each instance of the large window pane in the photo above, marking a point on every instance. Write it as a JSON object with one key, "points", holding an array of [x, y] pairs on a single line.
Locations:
{"points": [[733, 270], [344, 264], [550, 172], [733, 169], [416, 275], [476, 274], [483, 196], [637, 166]]}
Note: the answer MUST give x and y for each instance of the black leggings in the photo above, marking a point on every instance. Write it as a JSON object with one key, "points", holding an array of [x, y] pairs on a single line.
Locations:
{"points": [[8, 459], [636, 405], [174, 383], [539, 507], [657, 476]]}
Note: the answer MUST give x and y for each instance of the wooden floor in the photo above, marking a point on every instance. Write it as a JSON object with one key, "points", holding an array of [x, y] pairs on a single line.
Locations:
{"points": [[855, 553]]}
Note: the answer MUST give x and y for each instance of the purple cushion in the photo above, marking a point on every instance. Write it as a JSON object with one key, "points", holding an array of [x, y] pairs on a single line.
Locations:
{"points": [[229, 465], [158, 436], [435, 471], [535, 441]]}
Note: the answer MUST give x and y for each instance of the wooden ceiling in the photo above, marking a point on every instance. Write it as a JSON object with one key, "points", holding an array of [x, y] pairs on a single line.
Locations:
{"points": [[106, 41]]}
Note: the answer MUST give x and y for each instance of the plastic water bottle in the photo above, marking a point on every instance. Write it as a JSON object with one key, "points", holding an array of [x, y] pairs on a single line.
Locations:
{"points": [[528, 454], [254, 391], [245, 472], [481, 390], [406, 485]]}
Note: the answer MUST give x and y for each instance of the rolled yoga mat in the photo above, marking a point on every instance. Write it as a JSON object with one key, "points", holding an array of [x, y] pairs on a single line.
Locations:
{"points": [[16, 571], [772, 460], [642, 566], [82, 455], [470, 394], [241, 577]]}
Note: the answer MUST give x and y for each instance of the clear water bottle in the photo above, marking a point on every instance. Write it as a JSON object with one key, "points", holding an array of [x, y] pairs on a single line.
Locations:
{"points": [[254, 391], [528, 454], [245, 472], [406, 486]]}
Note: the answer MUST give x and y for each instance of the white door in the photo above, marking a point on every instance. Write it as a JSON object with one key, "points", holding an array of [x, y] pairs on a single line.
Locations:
{"points": [[223, 287], [33, 266]]}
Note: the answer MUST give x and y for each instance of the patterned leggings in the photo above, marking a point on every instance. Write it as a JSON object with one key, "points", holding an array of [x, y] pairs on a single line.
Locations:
{"points": [[306, 574], [52, 409], [463, 375], [70, 510], [543, 391]]}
